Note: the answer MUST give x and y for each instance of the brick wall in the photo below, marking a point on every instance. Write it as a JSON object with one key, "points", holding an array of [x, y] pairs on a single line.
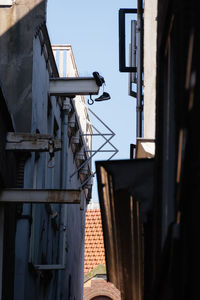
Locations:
{"points": [[100, 287]]}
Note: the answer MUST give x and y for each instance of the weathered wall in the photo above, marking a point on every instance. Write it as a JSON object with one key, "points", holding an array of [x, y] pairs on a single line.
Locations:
{"points": [[73, 275], [17, 28], [40, 240], [150, 39], [40, 88], [25, 78]]}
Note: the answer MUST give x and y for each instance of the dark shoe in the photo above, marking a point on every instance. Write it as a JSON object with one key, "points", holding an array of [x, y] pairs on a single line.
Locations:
{"points": [[98, 78], [104, 96]]}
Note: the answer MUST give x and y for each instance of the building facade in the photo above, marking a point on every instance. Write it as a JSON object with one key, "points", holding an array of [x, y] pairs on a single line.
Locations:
{"points": [[149, 206], [42, 237]]}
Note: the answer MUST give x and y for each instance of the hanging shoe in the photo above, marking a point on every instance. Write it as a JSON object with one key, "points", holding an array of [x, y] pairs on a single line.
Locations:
{"points": [[98, 78], [104, 96]]}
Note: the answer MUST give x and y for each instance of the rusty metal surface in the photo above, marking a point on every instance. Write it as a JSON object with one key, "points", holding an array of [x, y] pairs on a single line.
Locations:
{"points": [[40, 196], [31, 142]]}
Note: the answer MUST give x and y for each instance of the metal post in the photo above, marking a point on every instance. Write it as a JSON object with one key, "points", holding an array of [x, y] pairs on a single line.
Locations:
{"points": [[133, 50], [139, 69], [132, 58]]}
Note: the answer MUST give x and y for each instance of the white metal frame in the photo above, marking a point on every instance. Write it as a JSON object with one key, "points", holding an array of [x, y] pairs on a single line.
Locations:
{"points": [[113, 150]]}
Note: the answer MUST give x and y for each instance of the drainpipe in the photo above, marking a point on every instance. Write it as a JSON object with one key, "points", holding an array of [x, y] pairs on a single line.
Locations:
{"points": [[66, 107], [139, 69], [65, 111]]}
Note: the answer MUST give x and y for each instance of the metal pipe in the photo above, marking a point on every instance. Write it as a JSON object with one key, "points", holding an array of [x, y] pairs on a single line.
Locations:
{"points": [[132, 151], [139, 69], [64, 157], [64, 152]]}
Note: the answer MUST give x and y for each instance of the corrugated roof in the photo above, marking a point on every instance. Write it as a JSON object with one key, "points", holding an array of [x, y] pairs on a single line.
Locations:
{"points": [[94, 244]]}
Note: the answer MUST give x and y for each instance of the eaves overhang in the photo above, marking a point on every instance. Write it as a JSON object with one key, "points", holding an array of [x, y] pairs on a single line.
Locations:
{"points": [[125, 190]]}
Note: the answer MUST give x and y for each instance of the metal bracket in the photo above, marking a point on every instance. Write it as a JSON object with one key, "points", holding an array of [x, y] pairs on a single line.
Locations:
{"points": [[32, 142], [132, 59], [122, 41], [6, 3], [66, 104], [73, 86], [40, 196]]}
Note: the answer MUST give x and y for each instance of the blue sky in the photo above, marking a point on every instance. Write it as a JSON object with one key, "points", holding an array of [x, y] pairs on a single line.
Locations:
{"points": [[91, 27]]}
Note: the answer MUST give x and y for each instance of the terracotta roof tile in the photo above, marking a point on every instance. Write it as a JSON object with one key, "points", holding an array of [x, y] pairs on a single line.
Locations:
{"points": [[94, 244]]}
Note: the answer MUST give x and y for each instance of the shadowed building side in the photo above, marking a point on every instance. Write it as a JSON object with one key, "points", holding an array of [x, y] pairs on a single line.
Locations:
{"points": [[18, 26]]}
